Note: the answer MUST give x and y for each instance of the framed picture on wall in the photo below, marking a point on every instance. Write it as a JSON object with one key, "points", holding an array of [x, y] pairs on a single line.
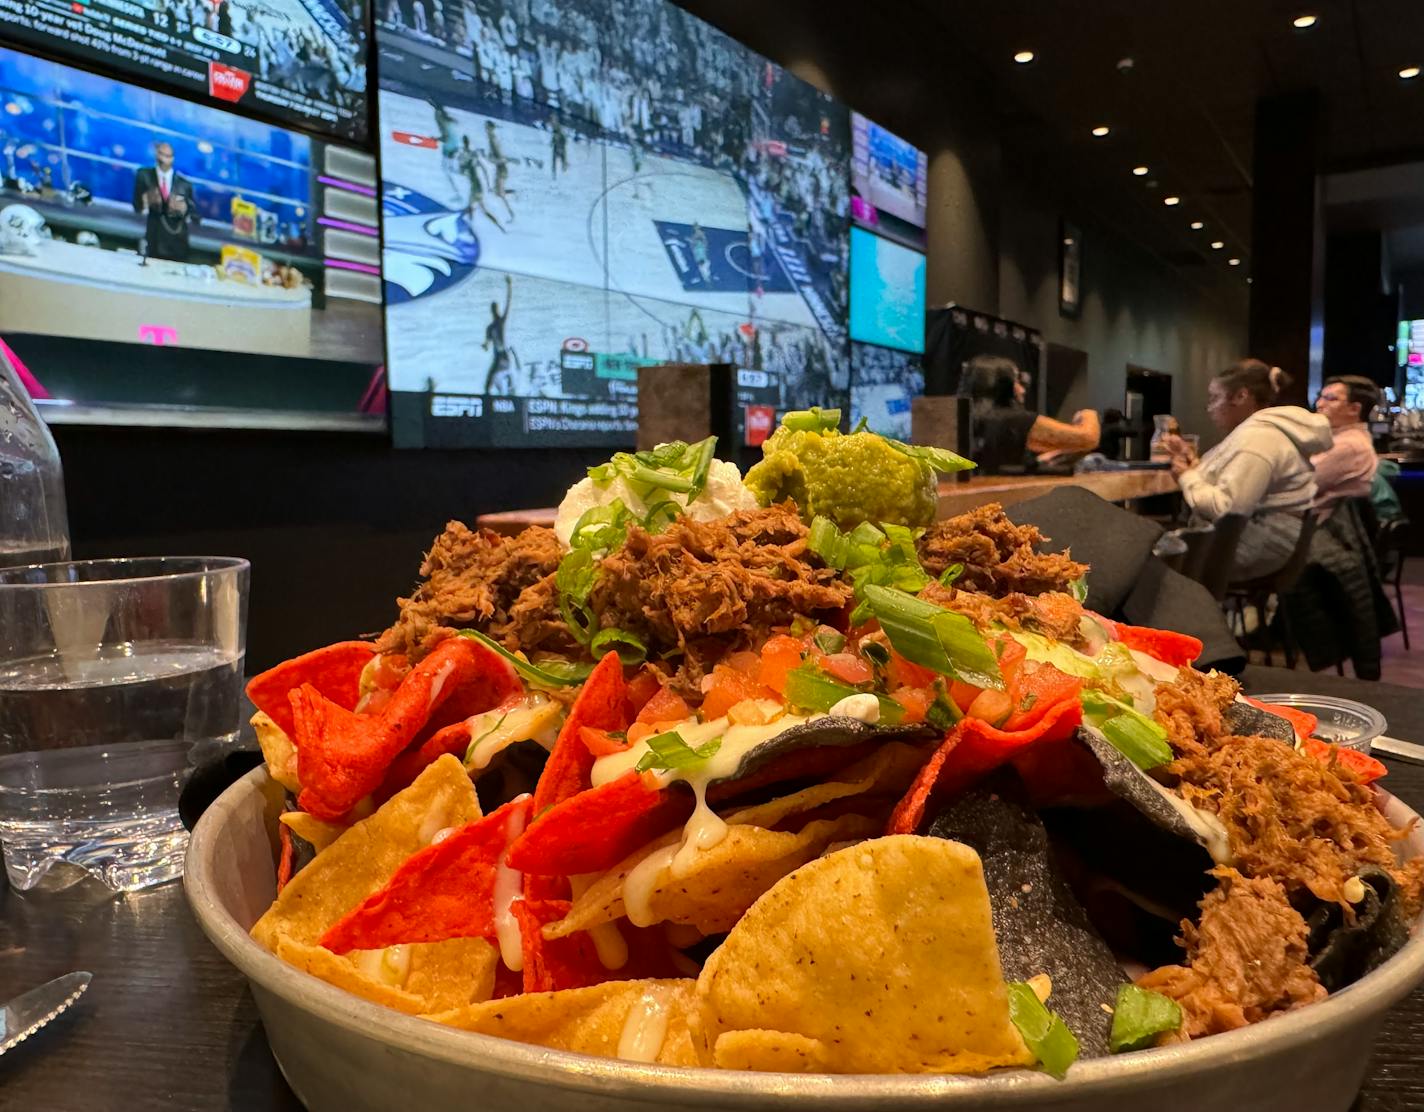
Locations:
{"points": [[1070, 269]]}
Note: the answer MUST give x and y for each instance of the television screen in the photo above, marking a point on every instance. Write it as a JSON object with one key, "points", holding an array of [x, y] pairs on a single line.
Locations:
{"points": [[887, 293], [128, 217], [889, 180], [302, 61], [883, 384], [1409, 349], [572, 190]]}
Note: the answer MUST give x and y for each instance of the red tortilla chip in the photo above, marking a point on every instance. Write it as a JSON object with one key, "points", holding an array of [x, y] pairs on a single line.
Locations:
{"points": [[596, 829], [1036, 690], [335, 671], [551, 965], [1302, 721], [444, 891], [342, 757], [1179, 649], [285, 861], [972, 749], [404, 769], [602, 705], [492, 681]]}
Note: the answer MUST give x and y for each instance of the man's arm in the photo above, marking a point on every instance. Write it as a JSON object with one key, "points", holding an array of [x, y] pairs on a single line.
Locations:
{"points": [[140, 193], [1048, 435]]}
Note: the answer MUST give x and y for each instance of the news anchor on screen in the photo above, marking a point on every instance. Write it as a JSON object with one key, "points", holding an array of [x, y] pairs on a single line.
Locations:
{"points": [[166, 196]]}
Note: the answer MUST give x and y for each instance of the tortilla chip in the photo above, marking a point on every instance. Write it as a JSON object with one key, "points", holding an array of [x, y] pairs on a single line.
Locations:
{"points": [[309, 828], [365, 857], [883, 951], [727, 878], [278, 751], [432, 976], [771, 1051], [584, 1020]]}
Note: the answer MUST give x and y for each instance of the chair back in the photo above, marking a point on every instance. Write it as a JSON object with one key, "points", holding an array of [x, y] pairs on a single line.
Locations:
{"points": [[1286, 578], [1214, 570], [1389, 543]]}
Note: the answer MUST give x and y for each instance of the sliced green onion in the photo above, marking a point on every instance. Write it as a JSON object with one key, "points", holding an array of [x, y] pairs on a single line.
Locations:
{"points": [[950, 574], [1132, 733], [814, 419], [629, 646], [1139, 1016], [601, 528], [547, 673], [574, 582], [934, 638], [863, 425], [1047, 1036], [938, 458], [808, 688], [668, 751], [829, 643], [661, 515], [1079, 588]]}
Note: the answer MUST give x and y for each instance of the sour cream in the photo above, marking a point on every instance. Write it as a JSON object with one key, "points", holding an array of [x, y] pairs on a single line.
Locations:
{"points": [[724, 493]]}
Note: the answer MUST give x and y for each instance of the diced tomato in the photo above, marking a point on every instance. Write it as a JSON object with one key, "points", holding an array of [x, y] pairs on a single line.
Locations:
{"points": [[778, 657], [641, 688], [602, 742], [746, 662], [1365, 768], [1036, 689], [730, 687], [903, 673], [1010, 655], [963, 694], [848, 668], [665, 706], [915, 700], [640, 730], [993, 707]]}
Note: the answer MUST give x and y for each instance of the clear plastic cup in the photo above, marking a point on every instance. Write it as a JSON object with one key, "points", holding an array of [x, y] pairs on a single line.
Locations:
{"points": [[1342, 721]]}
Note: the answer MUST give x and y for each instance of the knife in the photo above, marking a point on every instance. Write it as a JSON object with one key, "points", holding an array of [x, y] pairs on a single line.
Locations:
{"points": [[1396, 748], [28, 1012]]}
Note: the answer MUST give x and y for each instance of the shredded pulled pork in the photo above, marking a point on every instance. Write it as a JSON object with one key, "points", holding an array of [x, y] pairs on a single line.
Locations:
{"points": [[1246, 959], [1290, 817], [707, 587], [1054, 615], [999, 557], [1190, 708], [471, 579]]}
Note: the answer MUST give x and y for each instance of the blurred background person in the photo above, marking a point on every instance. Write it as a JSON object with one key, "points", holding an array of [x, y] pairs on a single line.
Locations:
{"points": [[1347, 469], [1007, 435], [1261, 469]]}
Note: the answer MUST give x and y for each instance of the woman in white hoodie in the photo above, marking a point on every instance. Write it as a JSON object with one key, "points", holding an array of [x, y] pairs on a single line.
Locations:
{"points": [[1261, 468]]}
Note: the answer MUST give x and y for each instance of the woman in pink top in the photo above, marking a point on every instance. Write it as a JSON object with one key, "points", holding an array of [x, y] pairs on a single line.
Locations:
{"points": [[1348, 468]]}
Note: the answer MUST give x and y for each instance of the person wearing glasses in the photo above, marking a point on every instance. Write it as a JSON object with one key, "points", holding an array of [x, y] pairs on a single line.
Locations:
{"points": [[1348, 469]]}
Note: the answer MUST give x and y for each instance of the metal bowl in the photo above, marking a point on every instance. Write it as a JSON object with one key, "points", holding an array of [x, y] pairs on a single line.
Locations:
{"points": [[341, 1053]]}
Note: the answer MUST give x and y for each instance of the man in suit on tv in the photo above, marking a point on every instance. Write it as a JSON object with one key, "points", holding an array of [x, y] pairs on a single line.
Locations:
{"points": [[166, 197]]}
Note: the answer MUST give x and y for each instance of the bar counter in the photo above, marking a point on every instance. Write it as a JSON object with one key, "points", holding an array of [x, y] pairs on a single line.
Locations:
{"points": [[954, 497]]}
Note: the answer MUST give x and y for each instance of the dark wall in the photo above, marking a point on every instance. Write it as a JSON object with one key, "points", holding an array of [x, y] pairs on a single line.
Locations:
{"points": [[1360, 325], [334, 524]]}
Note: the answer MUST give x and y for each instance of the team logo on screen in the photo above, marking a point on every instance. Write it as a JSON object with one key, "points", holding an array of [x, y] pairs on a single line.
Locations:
{"points": [[429, 248], [227, 82]]}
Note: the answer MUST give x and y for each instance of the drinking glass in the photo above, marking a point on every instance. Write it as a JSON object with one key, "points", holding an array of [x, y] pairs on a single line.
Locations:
{"points": [[110, 671]]}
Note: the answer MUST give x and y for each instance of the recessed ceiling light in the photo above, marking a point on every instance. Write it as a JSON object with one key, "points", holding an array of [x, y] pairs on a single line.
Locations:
{"points": [[1217, 245], [1304, 21], [1409, 73], [1233, 262], [1100, 131], [1248, 281], [1171, 200], [1197, 225], [1024, 57], [1140, 171]]}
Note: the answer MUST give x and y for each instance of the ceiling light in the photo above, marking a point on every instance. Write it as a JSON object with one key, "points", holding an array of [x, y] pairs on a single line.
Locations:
{"points": [[1217, 245], [1140, 171], [1024, 57], [1100, 131], [1171, 200], [1197, 225], [1304, 21], [1233, 262], [1409, 73]]}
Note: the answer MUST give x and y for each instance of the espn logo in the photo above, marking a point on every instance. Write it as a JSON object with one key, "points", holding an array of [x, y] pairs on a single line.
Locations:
{"points": [[227, 82], [456, 405]]}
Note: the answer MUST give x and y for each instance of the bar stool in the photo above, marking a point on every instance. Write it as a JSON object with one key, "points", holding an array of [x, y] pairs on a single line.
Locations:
{"points": [[1213, 567], [1389, 552], [1257, 593]]}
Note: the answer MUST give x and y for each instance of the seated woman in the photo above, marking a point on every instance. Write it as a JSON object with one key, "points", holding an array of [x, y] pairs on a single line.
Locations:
{"points": [[1006, 435], [1348, 469], [1261, 469]]}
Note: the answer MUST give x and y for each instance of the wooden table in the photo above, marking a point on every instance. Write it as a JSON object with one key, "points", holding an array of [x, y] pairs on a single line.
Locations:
{"points": [[168, 1024], [954, 497]]}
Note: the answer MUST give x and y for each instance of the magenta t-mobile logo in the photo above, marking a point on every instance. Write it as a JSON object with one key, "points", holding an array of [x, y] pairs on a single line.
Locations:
{"points": [[160, 334]]}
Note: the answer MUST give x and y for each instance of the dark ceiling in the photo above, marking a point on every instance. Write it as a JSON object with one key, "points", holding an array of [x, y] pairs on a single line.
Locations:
{"points": [[1185, 106]]}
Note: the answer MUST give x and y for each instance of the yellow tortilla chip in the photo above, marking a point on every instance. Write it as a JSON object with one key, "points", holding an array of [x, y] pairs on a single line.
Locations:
{"points": [[773, 1051], [727, 878], [417, 978], [364, 858], [596, 1020], [312, 829], [278, 751], [883, 952]]}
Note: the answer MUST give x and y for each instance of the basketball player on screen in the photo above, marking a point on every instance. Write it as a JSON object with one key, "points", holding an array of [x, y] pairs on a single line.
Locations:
{"points": [[499, 371], [474, 174], [501, 167], [558, 146]]}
